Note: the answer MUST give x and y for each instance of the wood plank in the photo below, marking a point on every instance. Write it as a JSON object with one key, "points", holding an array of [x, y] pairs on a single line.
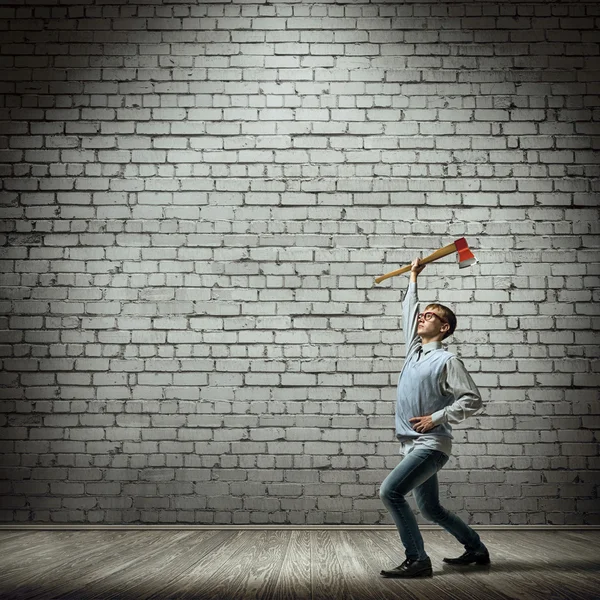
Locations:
{"points": [[157, 564], [164, 574], [254, 573], [294, 582], [42, 543], [78, 570], [327, 578], [248, 571], [363, 580], [581, 545], [207, 573], [373, 555], [40, 566], [8, 536]]}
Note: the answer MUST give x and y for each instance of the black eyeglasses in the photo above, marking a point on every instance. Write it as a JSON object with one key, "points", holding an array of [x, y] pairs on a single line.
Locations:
{"points": [[428, 316]]}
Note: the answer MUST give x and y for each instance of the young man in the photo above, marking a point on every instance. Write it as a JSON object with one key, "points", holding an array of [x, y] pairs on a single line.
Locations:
{"points": [[434, 390]]}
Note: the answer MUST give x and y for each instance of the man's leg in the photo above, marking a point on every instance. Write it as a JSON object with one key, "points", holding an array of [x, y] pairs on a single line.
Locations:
{"points": [[428, 501], [414, 469]]}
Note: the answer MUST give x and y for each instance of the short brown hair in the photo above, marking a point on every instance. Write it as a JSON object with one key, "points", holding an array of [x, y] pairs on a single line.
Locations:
{"points": [[448, 315]]}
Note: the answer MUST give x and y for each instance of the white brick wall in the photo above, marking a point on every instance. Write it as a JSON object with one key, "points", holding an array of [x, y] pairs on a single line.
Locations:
{"points": [[196, 199]]}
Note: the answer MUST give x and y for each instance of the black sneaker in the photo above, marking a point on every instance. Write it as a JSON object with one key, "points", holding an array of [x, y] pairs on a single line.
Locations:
{"points": [[479, 557], [411, 568]]}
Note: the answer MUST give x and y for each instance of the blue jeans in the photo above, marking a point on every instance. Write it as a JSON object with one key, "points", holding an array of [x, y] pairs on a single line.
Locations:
{"points": [[418, 471]]}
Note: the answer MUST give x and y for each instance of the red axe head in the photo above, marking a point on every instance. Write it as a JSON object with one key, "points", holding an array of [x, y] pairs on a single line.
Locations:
{"points": [[465, 256]]}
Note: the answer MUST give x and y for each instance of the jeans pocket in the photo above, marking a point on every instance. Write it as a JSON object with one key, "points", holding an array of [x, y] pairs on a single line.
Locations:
{"points": [[442, 459]]}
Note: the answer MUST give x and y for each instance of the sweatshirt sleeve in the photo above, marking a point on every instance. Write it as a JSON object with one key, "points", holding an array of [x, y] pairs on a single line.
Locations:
{"points": [[467, 399], [410, 310]]}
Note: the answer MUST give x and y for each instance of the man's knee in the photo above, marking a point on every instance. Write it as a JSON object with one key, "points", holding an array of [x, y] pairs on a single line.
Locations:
{"points": [[433, 513], [384, 492], [387, 492]]}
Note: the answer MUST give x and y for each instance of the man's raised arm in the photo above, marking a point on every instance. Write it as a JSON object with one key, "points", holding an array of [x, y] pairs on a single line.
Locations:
{"points": [[410, 309]]}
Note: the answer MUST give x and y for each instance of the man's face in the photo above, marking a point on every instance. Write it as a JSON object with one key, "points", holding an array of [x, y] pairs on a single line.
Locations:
{"points": [[431, 326]]}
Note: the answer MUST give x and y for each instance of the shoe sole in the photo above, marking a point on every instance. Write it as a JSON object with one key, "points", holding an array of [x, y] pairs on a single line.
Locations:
{"points": [[422, 574], [472, 562]]}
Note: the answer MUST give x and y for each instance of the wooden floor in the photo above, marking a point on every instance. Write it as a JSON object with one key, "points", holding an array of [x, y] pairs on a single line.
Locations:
{"points": [[289, 564]]}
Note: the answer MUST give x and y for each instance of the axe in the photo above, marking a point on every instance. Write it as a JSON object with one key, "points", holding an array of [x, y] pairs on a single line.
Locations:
{"points": [[465, 258]]}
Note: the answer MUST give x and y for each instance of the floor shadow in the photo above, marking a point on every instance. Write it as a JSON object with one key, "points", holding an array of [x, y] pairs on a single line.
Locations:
{"points": [[513, 566], [449, 592]]}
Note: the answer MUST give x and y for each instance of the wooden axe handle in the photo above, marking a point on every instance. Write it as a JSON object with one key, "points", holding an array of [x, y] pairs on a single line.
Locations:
{"points": [[449, 249]]}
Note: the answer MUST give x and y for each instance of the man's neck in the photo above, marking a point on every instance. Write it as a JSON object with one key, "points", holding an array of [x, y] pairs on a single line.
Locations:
{"points": [[425, 340]]}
